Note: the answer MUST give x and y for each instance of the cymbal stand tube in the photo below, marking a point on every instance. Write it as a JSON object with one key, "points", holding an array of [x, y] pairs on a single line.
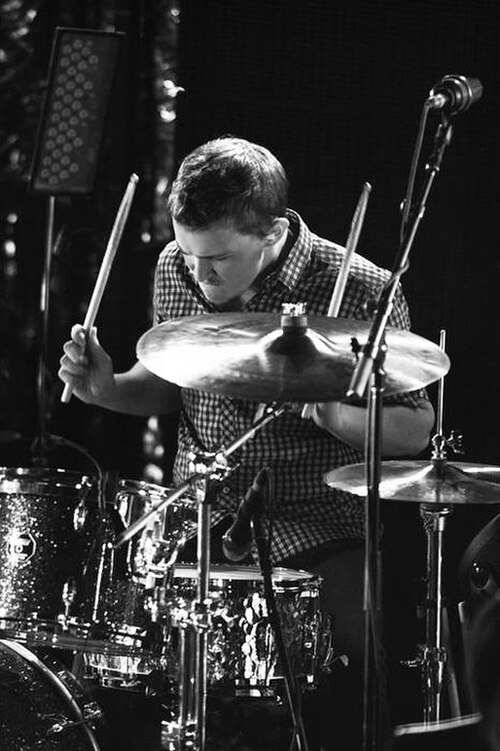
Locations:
{"points": [[440, 403], [373, 701], [439, 442], [194, 633], [433, 654]]}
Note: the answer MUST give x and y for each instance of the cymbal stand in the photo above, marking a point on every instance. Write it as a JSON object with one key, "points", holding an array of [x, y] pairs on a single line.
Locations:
{"points": [[210, 471], [433, 655], [195, 625]]}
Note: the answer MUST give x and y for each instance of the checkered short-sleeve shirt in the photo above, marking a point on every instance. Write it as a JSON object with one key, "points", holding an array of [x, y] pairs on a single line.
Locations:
{"points": [[308, 513]]}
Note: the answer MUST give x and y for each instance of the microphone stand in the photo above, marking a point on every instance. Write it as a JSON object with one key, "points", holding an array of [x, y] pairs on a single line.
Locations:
{"points": [[369, 367]]}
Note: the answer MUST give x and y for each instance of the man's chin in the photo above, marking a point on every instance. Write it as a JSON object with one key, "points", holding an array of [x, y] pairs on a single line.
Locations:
{"points": [[214, 294]]}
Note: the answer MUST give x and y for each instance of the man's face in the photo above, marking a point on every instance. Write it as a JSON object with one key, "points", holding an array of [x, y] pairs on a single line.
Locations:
{"points": [[223, 261]]}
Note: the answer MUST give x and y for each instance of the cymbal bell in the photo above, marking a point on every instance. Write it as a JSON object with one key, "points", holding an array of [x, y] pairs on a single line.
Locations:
{"points": [[428, 483], [268, 357]]}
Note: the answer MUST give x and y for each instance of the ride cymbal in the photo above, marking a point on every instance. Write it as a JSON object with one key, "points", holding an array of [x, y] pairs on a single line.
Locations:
{"points": [[273, 357], [430, 483]]}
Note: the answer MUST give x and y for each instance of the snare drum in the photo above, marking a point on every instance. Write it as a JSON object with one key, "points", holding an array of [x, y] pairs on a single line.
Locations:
{"points": [[41, 549], [242, 651]]}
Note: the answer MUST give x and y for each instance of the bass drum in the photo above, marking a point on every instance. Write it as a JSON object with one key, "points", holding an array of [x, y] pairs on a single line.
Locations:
{"points": [[41, 708]]}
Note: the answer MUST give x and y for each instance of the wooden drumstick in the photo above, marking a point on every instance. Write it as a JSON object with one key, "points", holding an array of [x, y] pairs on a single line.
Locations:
{"points": [[107, 261], [350, 248]]}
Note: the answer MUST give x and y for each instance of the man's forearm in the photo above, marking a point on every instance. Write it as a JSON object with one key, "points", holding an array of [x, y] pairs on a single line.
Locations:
{"points": [[139, 392], [405, 430]]}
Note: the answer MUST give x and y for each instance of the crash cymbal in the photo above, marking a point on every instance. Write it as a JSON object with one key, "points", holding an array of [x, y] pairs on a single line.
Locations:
{"points": [[269, 357], [435, 482]]}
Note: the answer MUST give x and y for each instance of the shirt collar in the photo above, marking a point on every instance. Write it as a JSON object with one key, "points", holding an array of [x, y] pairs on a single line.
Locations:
{"points": [[299, 255]]}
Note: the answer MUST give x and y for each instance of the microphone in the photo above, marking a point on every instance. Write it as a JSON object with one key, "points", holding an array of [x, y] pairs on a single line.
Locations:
{"points": [[454, 94], [237, 541]]}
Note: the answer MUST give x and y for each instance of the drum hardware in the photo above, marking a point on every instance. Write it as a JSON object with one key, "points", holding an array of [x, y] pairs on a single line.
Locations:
{"points": [[437, 486], [435, 654], [265, 357], [372, 372], [210, 470]]}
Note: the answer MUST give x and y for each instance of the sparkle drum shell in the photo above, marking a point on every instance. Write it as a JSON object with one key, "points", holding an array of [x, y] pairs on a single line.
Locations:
{"points": [[40, 548], [115, 625]]}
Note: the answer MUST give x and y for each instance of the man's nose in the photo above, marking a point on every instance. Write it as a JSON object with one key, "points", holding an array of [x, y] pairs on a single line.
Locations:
{"points": [[201, 268]]}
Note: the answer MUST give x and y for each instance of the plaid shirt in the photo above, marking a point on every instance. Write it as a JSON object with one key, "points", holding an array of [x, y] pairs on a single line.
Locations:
{"points": [[308, 513]]}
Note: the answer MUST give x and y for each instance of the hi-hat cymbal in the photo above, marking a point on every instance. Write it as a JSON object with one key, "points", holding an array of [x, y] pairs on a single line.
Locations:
{"points": [[268, 357], [428, 483]]}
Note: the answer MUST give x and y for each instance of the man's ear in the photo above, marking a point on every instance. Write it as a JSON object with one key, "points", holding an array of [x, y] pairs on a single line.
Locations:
{"points": [[278, 231]]}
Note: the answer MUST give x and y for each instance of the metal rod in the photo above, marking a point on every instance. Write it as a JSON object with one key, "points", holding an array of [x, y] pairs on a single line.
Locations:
{"points": [[440, 399], [373, 700], [258, 425], [434, 654]]}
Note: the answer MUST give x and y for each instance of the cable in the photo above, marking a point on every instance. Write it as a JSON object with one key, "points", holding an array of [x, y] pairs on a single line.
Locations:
{"points": [[299, 741]]}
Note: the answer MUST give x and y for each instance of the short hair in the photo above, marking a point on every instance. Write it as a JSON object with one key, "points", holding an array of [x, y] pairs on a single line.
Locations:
{"points": [[232, 180]]}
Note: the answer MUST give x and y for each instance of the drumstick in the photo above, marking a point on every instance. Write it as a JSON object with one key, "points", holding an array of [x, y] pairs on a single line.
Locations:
{"points": [[350, 248], [107, 261]]}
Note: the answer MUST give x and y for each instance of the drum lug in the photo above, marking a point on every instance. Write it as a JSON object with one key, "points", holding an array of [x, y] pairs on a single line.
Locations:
{"points": [[80, 516], [92, 715], [68, 597]]}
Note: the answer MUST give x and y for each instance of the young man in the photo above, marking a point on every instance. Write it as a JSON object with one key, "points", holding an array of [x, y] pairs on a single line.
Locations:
{"points": [[238, 247]]}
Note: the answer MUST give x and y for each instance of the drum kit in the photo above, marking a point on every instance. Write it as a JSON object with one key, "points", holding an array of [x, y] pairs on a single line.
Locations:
{"points": [[89, 564], [91, 567]]}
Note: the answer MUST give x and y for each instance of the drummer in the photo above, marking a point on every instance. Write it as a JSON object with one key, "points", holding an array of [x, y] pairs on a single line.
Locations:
{"points": [[238, 247]]}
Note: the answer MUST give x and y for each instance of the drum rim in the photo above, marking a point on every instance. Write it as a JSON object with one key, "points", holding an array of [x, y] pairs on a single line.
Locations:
{"points": [[41, 480], [218, 570], [151, 489]]}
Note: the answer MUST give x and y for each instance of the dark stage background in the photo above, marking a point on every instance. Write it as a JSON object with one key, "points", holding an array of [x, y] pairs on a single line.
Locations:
{"points": [[335, 89]]}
